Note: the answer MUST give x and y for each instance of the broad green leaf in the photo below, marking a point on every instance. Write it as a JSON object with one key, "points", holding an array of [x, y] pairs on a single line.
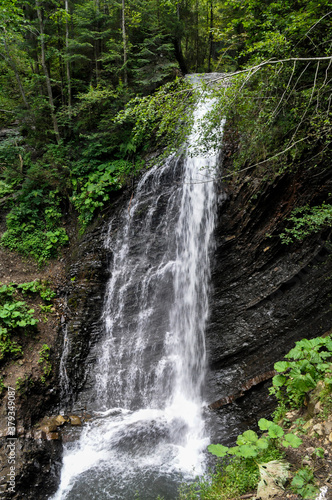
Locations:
{"points": [[218, 450], [292, 440], [282, 366], [262, 443], [264, 424], [248, 450], [279, 380], [275, 431], [250, 436]]}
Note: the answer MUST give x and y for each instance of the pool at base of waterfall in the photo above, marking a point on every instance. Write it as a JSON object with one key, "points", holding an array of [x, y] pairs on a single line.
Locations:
{"points": [[125, 455]]}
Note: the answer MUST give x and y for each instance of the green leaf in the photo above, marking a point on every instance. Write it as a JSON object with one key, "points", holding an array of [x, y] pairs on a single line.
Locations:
{"points": [[279, 380], [218, 450], [248, 450], [298, 482], [262, 443], [250, 436], [282, 366], [264, 424], [292, 440], [275, 431]]}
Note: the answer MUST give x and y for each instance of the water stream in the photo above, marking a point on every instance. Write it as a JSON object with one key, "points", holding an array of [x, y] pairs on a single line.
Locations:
{"points": [[147, 433]]}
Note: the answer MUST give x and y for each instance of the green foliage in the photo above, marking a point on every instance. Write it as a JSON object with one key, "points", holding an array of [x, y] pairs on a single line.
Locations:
{"points": [[231, 480], [38, 286], [155, 120], [11, 153], [308, 362], [33, 226], [250, 445], [44, 355], [306, 221], [303, 483], [91, 194], [16, 317], [16, 314], [8, 347], [253, 451], [22, 384]]}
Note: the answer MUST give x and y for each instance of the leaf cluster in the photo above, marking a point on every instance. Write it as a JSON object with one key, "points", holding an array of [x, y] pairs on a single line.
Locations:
{"points": [[250, 445], [15, 315], [306, 221], [92, 193], [44, 355], [307, 363], [303, 483], [34, 225]]}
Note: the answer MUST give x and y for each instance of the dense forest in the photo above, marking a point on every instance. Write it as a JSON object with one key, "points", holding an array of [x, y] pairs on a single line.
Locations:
{"points": [[88, 88]]}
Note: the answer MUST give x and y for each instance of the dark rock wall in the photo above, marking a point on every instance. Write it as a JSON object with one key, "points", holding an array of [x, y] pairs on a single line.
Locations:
{"points": [[265, 295], [84, 294]]}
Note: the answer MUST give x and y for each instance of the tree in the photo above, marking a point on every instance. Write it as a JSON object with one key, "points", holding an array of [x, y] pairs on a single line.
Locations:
{"points": [[11, 20], [45, 69]]}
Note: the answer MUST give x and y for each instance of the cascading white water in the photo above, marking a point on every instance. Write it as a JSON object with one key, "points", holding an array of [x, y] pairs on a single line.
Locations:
{"points": [[148, 432]]}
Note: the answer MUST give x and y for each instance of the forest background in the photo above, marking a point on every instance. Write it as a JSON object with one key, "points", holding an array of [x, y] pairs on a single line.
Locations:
{"points": [[89, 88]]}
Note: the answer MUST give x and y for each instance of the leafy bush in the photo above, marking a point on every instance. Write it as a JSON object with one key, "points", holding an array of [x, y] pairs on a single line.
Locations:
{"points": [[249, 445], [92, 193], [11, 154], [8, 347], [309, 362], [33, 226], [303, 483], [15, 316], [38, 286], [230, 480], [155, 120], [305, 221]]}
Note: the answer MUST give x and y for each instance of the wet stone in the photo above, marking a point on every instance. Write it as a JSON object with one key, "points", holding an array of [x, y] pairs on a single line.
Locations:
{"points": [[75, 420]]}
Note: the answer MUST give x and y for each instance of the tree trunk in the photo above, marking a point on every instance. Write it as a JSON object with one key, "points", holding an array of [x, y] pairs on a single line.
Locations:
{"points": [[12, 64], [196, 39], [46, 73], [124, 39], [67, 59], [177, 45], [179, 55], [210, 37]]}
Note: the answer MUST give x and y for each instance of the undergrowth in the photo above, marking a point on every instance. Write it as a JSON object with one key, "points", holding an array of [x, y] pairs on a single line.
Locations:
{"points": [[34, 226], [16, 318], [239, 468]]}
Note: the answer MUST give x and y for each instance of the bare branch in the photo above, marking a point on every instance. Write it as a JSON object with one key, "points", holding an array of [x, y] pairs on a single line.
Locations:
{"points": [[227, 76], [306, 110], [256, 164], [282, 97]]}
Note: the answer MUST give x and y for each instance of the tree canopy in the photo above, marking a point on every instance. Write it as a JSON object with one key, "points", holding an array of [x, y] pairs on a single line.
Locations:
{"points": [[89, 86]]}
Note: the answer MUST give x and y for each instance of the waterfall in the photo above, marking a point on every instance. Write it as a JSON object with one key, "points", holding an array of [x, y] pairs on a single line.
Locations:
{"points": [[147, 432]]}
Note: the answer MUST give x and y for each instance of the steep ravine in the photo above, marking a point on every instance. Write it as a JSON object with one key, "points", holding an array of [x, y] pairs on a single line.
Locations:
{"points": [[264, 297]]}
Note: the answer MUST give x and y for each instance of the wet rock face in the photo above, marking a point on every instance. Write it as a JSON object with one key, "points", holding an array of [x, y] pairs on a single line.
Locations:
{"points": [[265, 295], [81, 324], [30, 468]]}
